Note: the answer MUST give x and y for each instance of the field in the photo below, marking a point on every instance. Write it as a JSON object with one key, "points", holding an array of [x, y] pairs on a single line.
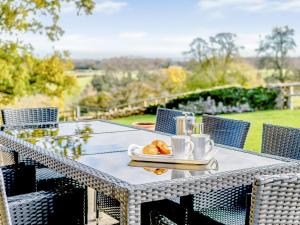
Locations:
{"points": [[277, 117], [84, 81]]}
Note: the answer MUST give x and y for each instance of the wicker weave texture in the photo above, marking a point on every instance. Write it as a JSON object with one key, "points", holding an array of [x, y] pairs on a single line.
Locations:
{"points": [[62, 204], [30, 118], [223, 198], [165, 120], [226, 131], [132, 196], [4, 210], [108, 205], [281, 141], [33, 208], [6, 157], [231, 133], [276, 200]]}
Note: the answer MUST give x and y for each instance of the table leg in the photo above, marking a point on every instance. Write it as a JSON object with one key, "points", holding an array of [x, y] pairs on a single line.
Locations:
{"points": [[91, 200], [16, 156], [130, 213], [187, 203]]}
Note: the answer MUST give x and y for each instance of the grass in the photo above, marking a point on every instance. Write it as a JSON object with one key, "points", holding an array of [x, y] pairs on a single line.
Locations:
{"points": [[83, 82], [277, 117]]}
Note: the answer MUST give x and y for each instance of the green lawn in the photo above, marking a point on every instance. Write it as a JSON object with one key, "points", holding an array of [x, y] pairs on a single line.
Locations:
{"points": [[278, 117], [84, 81]]}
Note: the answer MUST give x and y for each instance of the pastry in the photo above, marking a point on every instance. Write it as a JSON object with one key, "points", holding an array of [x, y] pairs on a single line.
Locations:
{"points": [[150, 150], [160, 171], [157, 171], [162, 147]]}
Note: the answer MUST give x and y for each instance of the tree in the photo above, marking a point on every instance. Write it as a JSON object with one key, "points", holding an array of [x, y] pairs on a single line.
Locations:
{"points": [[13, 79], [213, 62], [115, 88], [199, 50], [274, 49], [29, 15], [48, 75], [21, 73], [176, 79], [222, 45]]}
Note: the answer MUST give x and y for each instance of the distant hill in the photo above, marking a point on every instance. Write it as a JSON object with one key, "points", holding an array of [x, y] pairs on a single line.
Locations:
{"points": [[254, 61], [136, 63], [128, 63]]}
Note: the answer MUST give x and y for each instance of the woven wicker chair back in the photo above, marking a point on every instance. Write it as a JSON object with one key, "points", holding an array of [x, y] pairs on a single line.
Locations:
{"points": [[275, 200], [19, 117], [165, 120], [226, 131], [281, 141]]}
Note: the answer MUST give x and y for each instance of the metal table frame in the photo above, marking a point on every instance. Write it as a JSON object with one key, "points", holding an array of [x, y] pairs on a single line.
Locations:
{"points": [[132, 196]]}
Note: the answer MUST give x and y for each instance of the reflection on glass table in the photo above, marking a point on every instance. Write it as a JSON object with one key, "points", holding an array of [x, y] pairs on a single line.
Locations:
{"points": [[177, 170], [68, 146], [117, 165], [86, 143], [85, 129]]}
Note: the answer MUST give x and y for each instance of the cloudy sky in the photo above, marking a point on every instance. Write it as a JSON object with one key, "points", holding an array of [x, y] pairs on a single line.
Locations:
{"points": [[164, 28]]}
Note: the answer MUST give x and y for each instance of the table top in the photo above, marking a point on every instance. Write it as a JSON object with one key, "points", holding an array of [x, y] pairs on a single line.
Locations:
{"points": [[103, 146], [76, 146], [118, 165], [71, 128], [100, 161]]}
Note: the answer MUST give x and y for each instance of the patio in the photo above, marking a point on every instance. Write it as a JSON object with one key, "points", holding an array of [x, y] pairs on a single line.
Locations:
{"points": [[72, 160]]}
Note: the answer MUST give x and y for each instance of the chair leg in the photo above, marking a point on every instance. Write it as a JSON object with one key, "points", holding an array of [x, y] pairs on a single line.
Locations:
{"points": [[187, 203], [16, 157], [163, 208], [97, 216]]}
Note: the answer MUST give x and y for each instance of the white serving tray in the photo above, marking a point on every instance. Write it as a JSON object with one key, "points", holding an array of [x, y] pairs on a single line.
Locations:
{"points": [[212, 165], [135, 153]]}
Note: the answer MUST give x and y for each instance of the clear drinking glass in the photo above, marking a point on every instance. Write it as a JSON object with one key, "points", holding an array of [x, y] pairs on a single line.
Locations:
{"points": [[198, 128]]}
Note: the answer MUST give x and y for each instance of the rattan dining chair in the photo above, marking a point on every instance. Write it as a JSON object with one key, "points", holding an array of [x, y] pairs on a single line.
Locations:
{"points": [[281, 141], [58, 206], [231, 133], [29, 118], [276, 140], [226, 131], [274, 200], [165, 120]]}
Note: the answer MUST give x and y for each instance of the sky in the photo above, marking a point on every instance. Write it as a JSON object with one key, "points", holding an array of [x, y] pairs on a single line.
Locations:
{"points": [[164, 28]]}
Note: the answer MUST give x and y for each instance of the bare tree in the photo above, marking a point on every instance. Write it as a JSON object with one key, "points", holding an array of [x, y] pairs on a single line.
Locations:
{"points": [[222, 45], [274, 49]]}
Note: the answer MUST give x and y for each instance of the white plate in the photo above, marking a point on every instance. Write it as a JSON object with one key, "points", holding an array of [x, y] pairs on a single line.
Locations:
{"points": [[135, 152]]}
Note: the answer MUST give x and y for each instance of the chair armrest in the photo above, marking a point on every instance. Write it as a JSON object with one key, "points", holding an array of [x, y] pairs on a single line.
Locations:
{"points": [[19, 179], [61, 206], [33, 208]]}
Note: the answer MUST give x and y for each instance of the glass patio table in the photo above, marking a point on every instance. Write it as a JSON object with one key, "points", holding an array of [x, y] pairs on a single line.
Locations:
{"points": [[71, 128], [104, 165]]}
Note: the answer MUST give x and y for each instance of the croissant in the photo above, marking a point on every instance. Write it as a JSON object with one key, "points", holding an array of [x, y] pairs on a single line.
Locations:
{"points": [[150, 150], [162, 147]]}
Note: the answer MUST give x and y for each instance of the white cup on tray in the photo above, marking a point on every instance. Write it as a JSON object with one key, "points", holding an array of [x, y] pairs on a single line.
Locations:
{"points": [[182, 148], [203, 145]]}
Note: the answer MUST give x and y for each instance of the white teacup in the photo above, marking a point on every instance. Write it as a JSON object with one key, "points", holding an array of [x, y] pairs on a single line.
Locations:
{"points": [[203, 145], [182, 148]]}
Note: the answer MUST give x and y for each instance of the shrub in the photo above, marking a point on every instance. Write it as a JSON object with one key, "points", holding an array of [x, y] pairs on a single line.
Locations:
{"points": [[259, 98]]}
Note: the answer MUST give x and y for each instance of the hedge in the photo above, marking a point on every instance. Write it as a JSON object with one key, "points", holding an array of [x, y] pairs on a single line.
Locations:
{"points": [[259, 98]]}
